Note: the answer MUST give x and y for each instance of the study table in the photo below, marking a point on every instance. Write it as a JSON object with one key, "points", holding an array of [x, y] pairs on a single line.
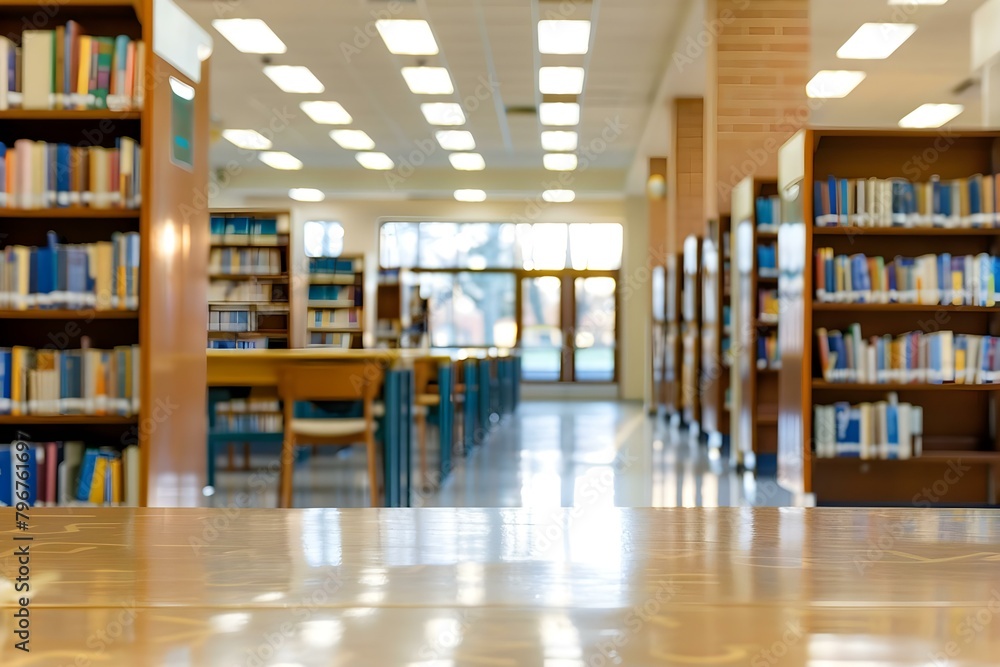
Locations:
{"points": [[571, 587]]}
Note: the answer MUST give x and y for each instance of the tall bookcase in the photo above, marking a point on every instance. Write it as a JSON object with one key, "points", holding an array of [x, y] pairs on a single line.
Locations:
{"points": [[335, 302], [691, 294], [754, 378], [170, 426], [716, 332], [959, 420], [249, 296], [672, 346]]}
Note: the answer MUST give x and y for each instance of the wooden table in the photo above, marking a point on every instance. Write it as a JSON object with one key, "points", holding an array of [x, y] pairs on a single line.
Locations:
{"points": [[506, 587]]}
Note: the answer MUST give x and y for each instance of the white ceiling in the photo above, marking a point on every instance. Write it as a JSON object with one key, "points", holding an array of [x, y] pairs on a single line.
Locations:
{"points": [[480, 41], [926, 68]]}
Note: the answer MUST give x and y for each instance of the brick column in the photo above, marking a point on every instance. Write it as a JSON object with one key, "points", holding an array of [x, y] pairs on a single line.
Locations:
{"points": [[686, 170]]}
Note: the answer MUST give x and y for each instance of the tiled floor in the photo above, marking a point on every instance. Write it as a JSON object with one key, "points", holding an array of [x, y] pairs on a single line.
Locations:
{"points": [[550, 454]]}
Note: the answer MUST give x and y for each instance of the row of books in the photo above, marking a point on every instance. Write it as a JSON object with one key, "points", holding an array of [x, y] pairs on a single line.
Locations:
{"points": [[67, 69], [914, 357], [248, 291], [350, 294], [87, 381], [245, 261], [71, 473], [882, 430], [249, 415], [335, 265], [768, 213], [236, 319], [768, 352], [328, 339], [243, 230], [943, 279], [340, 318], [768, 305], [102, 275], [40, 174], [256, 343], [767, 259], [897, 202]]}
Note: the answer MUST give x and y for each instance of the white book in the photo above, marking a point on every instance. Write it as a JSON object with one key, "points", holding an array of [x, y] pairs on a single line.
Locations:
{"points": [[6, 46], [917, 429], [904, 425], [37, 68]]}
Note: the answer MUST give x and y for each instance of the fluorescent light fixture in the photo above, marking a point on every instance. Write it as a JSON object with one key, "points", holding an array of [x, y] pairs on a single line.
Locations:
{"points": [[560, 80], [326, 113], [470, 195], [249, 35], [918, 2], [559, 113], [559, 140], [443, 113], [294, 79], [559, 196], [563, 37], [428, 80], [377, 161], [875, 41], [931, 115], [407, 37], [353, 140], [280, 160], [249, 139], [559, 161], [832, 84], [306, 194], [456, 140], [467, 161]]}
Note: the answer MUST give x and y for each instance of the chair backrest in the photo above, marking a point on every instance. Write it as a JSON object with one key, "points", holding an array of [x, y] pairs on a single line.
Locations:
{"points": [[425, 374], [331, 381]]}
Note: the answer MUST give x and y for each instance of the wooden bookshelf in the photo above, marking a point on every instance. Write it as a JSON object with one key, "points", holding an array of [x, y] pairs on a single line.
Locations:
{"points": [[715, 332], [348, 276], [691, 312], [672, 345], [753, 421], [389, 310], [269, 316], [958, 419], [170, 427]]}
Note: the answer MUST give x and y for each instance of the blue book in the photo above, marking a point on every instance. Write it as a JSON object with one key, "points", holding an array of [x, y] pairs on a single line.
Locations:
{"points": [[76, 276], [217, 225], [892, 429], [86, 474], [63, 159], [945, 267], [817, 201], [847, 422], [5, 380], [266, 227], [8, 479], [842, 206], [831, 185], [238, 226], [975, 196]]}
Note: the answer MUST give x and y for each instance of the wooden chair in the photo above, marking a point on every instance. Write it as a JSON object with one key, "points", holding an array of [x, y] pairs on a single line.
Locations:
{"points": [[426, 397], [337, 381]]}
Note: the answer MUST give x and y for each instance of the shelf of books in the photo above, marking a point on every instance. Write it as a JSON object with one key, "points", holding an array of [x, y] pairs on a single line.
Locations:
{"points": [[691, 312], [99, 371], [389, 309], [658, 338], [248, 288], [716, 332], [754, 373], [890, 364], [335, 313], [672, 347]]}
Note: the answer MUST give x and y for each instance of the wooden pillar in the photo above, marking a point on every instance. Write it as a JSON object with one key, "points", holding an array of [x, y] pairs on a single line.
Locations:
{"points": [[758, 67], [686, 172]]}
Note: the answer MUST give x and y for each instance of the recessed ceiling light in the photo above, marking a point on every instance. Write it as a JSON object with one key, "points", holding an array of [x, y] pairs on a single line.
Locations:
{"points": [[559, 140], [917, 2], [931, 115], [456, 140], [470, 195], [428, 80], [875, 41], [326, 113], [559, 196], [353, 140], [378, 161], [249, 35], [559, 161], [248, 139], [563, 37], [294, 79], [407, 37], [832, 84], [306, 194], [467, 161], [280, 160], [559, 113], [443, 113], [560, 80]]}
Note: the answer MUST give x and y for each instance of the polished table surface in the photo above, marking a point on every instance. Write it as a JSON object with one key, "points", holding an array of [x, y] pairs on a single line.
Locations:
{"points": [[574, 587]]}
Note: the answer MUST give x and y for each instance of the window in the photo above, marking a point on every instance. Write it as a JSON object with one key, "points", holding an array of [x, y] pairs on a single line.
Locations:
{"points": [[324, 239]]}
